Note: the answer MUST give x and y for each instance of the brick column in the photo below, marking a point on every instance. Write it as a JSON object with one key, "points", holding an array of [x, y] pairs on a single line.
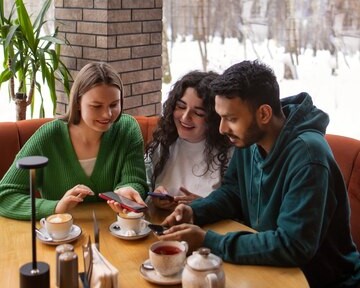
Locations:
{"points": [[123, 33]]}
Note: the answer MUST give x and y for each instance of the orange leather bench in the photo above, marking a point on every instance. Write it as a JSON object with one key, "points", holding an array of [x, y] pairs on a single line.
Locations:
{"points": [[347, 154], [346, 150]]}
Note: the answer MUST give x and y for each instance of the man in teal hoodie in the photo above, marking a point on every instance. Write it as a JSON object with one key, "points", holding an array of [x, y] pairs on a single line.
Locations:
{"points": [[282, 181]]}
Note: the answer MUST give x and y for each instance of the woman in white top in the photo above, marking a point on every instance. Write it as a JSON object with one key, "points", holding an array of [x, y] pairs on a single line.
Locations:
{"points": [[188, 156]]}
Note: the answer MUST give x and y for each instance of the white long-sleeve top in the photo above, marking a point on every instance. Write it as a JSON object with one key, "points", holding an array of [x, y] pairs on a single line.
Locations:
{"points": [[185, 167]]}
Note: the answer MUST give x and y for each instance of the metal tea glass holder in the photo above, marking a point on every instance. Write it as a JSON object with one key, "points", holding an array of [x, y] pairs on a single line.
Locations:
{"points": [[34, 274]]}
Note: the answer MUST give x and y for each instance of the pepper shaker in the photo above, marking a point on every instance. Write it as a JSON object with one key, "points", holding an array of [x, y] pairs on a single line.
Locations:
{"points": [[69, 274], [59, 250]]}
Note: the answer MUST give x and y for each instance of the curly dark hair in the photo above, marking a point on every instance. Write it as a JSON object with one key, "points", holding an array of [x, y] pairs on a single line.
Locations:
{"points": [[252, 81], [166, 133]]}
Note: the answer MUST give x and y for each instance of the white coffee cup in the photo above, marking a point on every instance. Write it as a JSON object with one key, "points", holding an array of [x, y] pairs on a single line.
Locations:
{"points": [[131, 223], [168, 257], [58, 226]]}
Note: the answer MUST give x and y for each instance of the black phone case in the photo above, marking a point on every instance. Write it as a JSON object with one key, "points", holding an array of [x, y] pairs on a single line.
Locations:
{"points": [[161, 196], [157, 229]]}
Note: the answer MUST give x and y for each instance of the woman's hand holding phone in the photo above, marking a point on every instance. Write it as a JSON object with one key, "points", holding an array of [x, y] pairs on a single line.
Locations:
{"points": [[119, 202], [161, 196], [130, 193], [162, 199]]}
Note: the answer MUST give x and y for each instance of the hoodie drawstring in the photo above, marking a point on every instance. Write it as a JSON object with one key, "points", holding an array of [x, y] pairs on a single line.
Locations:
{"points": [[259, 186], [259, 199]]}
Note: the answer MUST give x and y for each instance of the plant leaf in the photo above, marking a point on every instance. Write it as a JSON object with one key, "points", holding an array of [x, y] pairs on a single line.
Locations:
{"points": [[25, 23], [5, 76], [27, 53]]}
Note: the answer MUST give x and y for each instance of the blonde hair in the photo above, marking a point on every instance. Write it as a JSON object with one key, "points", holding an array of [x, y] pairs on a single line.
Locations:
{"points": [[91, 75]]}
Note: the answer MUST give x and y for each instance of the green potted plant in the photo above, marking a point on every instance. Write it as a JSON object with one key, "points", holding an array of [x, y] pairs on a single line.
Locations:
{"points": [[28, 55]]}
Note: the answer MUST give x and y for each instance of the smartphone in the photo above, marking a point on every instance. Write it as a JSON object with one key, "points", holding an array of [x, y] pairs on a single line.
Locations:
{"points": [[161, 196], [126, 203], [157, 229]]}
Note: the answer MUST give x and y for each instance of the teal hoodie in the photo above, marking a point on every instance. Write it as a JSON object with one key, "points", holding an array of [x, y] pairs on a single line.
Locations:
{"points": [[295, 198]]}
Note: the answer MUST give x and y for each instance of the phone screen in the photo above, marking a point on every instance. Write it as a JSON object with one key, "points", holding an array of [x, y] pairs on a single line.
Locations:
{"points": [[123, 201]]}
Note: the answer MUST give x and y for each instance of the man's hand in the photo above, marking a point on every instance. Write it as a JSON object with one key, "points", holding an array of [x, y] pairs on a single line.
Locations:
{"points": [[181, 214], [190, 233]]}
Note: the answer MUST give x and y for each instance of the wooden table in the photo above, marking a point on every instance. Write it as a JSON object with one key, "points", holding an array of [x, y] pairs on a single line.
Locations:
{"points": [[125, 255]]}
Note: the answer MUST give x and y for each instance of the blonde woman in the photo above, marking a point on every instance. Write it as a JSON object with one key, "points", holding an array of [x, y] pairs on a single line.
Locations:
{"points": [[94, 148]]}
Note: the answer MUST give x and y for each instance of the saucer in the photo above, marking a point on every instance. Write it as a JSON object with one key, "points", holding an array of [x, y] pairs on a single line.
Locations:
{"points": [[115, 230], [153, 277], [75, 233]]}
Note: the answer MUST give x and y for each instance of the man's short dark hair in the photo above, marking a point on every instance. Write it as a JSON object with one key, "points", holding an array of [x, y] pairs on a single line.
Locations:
{"points": [[252, 81]]}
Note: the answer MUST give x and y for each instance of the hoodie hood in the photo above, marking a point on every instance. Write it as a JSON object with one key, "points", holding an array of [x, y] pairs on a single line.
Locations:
{"points": [[301, 116]]}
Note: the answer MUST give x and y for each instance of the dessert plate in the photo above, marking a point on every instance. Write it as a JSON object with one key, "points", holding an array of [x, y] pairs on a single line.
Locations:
{"points": [[115, 230], [75, 233], [153, 277]]}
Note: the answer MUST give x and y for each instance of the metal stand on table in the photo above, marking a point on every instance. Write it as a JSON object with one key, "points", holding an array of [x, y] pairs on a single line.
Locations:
{"points": [[34, 274]]}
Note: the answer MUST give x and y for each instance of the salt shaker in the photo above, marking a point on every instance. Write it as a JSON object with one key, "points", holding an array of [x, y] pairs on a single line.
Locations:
{"points": [[59, 250], [69, 274]]}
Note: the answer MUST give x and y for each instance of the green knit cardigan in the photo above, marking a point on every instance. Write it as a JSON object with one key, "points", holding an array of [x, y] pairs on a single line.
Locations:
{"points": [[119, 163]]}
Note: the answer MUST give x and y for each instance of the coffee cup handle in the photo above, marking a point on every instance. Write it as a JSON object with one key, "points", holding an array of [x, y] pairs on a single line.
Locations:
{"points": [[42, 222], [186, 245], [143, 224]]}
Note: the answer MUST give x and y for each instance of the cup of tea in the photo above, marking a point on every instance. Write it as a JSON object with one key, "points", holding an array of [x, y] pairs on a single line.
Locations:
{"points": [[168, 257], [58, 226], [131, 223]]}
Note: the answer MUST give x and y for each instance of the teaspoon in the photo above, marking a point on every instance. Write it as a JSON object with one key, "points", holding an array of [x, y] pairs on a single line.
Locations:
{"points": [[116, 227], [147, 265], [46, 237]]}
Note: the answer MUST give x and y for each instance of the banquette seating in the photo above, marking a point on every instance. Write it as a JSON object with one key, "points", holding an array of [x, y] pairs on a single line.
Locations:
{"points": [[347, 154], [13, 136], [346, 150]]}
